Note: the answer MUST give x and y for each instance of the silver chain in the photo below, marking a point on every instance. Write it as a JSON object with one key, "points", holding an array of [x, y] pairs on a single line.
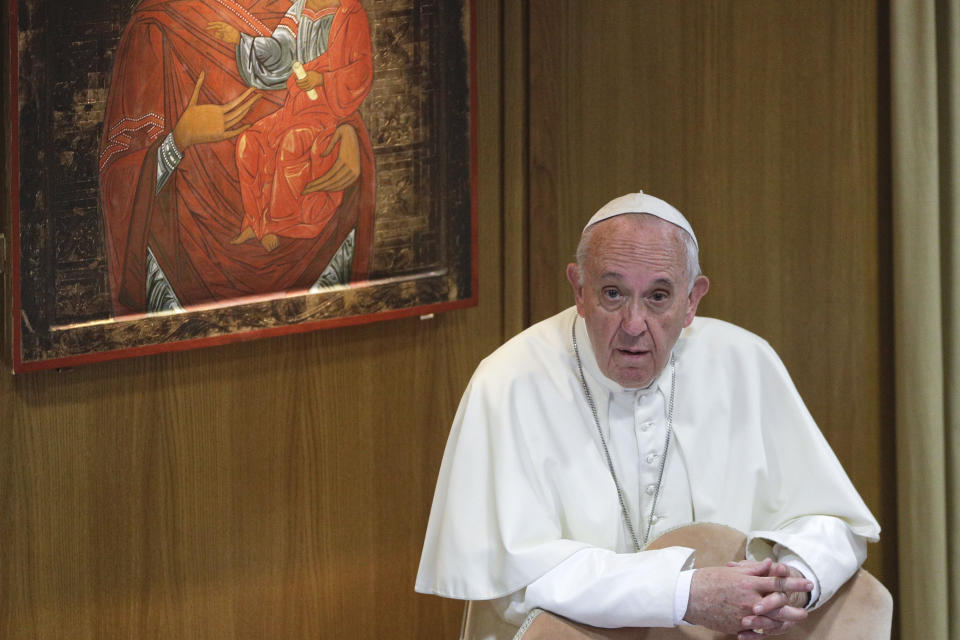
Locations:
{"points": [[606, 451]]}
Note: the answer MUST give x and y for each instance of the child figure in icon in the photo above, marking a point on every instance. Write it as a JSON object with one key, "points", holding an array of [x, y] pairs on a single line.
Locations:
{"points": [[321, 54]]}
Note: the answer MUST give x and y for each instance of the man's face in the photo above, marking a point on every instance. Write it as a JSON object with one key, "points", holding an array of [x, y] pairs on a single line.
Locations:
{"points": [[633, 295]]}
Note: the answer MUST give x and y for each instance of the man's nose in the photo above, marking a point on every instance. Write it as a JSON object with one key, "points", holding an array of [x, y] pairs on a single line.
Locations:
{"points": [[634, 319]]}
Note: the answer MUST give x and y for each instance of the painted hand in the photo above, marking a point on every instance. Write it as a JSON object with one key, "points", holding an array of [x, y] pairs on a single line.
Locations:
{"points": [[346, 169], [201, 123], [225, 32], [311, 80]]}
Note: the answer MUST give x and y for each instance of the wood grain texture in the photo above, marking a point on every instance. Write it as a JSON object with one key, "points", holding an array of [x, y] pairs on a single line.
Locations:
{"points": [[272, 489], [280, 488], [516, 241], [759, 120]]}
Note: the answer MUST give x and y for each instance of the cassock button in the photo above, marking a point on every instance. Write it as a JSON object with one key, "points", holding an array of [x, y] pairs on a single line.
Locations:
{"points": [[651, 458], [646, 426], [651, 489]]}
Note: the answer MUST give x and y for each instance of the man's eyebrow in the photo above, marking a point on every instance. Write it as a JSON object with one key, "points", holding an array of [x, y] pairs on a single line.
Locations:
{"points": [[611, 275], [659, 282], [663, 282]]}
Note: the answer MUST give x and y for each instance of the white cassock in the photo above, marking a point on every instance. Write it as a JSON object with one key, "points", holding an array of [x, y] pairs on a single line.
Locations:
{"points": [[526, 511]]}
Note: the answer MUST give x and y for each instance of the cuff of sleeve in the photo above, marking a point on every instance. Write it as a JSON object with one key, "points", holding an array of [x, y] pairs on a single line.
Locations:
{"points": [[681, 598], [830, 549], [789, 558], [168, 157], [605, 589]]}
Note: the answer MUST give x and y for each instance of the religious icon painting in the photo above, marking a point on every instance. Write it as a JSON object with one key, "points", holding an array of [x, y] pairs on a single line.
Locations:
{"points": [[190, 172]]}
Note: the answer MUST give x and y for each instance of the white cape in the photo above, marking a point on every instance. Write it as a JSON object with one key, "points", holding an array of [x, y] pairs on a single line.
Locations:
{"points": [[523, 484]]}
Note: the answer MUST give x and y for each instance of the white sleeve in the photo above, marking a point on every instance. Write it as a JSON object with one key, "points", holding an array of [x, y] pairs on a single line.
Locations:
{"points": [[831, 550], [606, 589], [681, 599]]}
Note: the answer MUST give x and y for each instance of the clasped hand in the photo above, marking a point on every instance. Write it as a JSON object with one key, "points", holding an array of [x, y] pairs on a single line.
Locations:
{"points": [[749, 599]]}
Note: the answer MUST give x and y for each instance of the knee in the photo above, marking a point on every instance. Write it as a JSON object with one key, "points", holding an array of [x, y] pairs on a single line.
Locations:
{"points": [[244, 157], [295, 144]]}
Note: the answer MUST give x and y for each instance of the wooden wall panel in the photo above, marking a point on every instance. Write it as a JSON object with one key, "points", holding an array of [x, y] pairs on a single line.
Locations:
{"points": [[271, 489], [274, 489], [760, 121], [280, 488]]}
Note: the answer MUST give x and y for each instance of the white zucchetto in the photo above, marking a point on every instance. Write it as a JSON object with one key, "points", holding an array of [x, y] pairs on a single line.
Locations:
{"points": [[642, 203]]}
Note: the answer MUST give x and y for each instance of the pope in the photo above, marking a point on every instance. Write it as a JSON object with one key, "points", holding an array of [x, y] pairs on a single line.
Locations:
{"points": [[591, 433]]}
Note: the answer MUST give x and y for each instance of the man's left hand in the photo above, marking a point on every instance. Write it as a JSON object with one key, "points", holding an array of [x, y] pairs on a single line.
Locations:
{"points": [[777, 611]]}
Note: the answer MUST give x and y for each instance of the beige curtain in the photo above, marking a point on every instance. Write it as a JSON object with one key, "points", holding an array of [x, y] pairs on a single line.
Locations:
{"points": [[925, 86]]}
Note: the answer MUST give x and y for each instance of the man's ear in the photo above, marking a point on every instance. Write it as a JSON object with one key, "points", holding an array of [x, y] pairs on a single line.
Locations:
{"points": [[700, 287], [573, 276]]}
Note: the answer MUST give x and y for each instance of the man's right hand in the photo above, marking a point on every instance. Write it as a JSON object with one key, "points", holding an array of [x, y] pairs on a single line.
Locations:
{"points": [[200, 123], [725, 599]]}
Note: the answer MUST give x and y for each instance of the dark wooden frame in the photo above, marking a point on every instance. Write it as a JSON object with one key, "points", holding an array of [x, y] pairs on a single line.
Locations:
{"points": [[37, 337]]}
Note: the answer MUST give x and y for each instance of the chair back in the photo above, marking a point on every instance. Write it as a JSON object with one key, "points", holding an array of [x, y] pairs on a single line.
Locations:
{"points": [[861, 610]]}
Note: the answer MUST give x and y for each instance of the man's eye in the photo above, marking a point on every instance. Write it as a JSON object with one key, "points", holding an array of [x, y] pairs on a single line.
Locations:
{"points": [[611, 294], [659, 296]]}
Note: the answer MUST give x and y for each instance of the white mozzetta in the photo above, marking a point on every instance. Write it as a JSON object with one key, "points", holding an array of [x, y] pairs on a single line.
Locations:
{"points": [[523, 485]]}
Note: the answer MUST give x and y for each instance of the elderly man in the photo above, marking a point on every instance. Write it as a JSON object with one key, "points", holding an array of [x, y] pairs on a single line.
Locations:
{"points": [[589, 434]]}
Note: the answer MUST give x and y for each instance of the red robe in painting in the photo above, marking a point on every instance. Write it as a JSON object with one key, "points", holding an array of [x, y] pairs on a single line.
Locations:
{"points": [[189, 224], [284, 151]]}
